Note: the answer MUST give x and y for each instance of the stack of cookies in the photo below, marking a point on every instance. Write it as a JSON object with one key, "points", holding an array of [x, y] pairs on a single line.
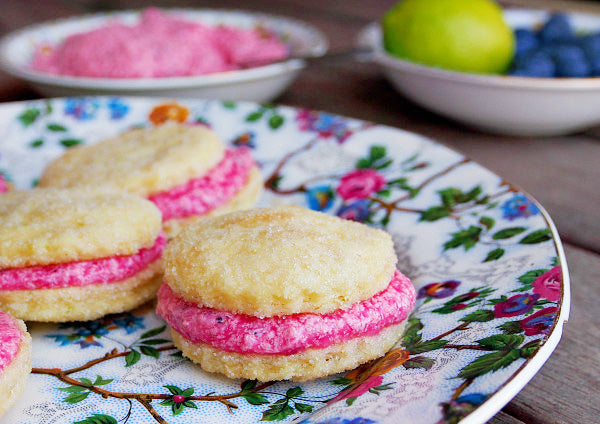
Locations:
{"points": [[266, 294]]}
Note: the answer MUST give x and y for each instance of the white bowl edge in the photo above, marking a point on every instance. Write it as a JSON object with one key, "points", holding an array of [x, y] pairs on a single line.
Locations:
{"points": [[315, 40]]}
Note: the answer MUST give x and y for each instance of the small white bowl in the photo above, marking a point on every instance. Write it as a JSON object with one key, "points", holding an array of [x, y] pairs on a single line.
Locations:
{"points": [[258, 84], [498, 103]]}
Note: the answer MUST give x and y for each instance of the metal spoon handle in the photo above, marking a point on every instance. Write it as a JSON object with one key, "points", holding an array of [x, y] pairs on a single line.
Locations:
{"points": [[356, 53]]}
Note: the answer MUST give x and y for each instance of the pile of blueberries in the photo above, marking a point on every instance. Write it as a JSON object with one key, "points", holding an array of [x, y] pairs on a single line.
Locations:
{"points": [[556, 50]]}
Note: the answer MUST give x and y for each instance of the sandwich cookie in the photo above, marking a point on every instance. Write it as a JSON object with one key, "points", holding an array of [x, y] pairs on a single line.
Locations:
{"points": [[184, 169], [283, 293], [15, 360], [77, 254]]}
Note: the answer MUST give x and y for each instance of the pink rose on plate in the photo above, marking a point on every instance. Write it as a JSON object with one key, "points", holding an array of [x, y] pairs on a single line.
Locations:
{"points": [[548, 284], [3, 185], [360, 184]]}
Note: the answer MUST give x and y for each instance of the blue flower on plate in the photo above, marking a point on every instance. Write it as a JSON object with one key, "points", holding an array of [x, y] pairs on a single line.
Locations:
{"points": [[473, 398], [355, 211], [518, 207], [246, 139], [117, 107], [63, 339], [339, 420], [455, 410], [518, 304], [320, 198], [130, 323], [540, 322], [438, 290], [94, 328], [87, 333], [324, 124], [87, 342], [82, 108]]}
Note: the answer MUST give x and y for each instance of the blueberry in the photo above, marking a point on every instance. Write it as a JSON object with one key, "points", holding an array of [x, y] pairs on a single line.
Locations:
{"points": [[573, 69], [571, 62], [595, 66], [557, 28], [590, 44], [569, 52], [591, 47], [526, 40], [536, 64], [556, 51]]}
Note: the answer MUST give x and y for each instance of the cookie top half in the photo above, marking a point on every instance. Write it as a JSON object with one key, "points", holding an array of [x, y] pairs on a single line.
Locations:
{"points": [[52, 226], [279, 261], [141, 161]]}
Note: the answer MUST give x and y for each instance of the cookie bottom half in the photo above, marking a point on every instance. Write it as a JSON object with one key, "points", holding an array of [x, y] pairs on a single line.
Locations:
{"points": [[246, 198], [306, 365], [14, 376], [86, 302]]}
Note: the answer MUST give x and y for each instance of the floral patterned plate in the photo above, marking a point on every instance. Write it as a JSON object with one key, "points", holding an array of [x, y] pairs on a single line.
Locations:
{"points": [[491, 275]]}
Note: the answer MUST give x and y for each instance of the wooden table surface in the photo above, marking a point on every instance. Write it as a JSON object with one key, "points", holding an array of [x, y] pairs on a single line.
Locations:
{"points": [[561, 172]]}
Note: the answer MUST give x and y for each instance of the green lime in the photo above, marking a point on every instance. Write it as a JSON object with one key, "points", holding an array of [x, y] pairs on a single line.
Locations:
{"points": [[462, 35]]}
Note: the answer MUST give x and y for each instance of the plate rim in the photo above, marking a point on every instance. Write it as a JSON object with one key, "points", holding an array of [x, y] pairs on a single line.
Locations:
{"points": [[522, 376]]}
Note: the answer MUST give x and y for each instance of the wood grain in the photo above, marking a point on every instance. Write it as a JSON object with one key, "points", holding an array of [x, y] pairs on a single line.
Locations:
{"points": [[503, 418]]}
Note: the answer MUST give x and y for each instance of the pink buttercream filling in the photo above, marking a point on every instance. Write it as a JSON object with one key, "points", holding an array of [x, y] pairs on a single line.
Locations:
{"points": [[3, 185], [287, 334], [200, 195], [83, 273], [160, 45], [10, 339]]}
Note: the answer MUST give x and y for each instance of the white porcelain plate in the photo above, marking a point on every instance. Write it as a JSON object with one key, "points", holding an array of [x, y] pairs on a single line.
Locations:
{"points": [[261, 83], [485, 258]]}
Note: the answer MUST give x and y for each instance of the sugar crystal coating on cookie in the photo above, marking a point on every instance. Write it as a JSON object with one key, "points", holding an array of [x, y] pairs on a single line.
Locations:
{"points": [[278, 261], [53, 226], [200, 195], [141, 161], [287, 334], [10, 339]]}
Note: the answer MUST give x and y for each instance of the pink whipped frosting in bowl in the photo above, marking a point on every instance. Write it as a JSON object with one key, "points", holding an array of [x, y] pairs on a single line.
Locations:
{"points": [[288, 334], [222, 42], [10, 339], [160, 45]]}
